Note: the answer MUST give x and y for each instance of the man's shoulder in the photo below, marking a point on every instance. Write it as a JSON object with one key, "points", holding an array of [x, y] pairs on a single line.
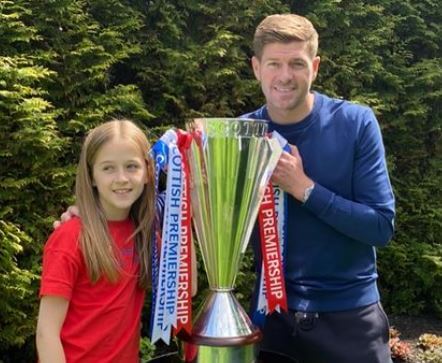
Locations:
{"points": [[346, 113], [344, 106]]}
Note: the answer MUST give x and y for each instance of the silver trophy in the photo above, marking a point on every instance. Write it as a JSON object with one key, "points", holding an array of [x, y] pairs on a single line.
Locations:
{"points": [[231, 161]]}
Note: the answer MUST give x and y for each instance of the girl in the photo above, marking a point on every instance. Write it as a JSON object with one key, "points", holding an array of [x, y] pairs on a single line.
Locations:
{"points": [[95, 269]]}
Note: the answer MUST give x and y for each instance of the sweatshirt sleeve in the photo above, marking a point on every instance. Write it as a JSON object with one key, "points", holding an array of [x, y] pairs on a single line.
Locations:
{"points": [[369, 216]]}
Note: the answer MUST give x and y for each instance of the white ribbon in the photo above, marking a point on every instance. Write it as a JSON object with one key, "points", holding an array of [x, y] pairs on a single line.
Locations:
{"points": [[165, 313]]}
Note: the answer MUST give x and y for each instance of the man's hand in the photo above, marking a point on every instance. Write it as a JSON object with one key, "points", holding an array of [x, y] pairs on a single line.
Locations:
{"points": [[70, 212], [289, 174]]}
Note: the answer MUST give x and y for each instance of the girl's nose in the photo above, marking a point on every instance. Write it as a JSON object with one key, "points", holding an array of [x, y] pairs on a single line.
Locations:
{"points": [[121, 176]]}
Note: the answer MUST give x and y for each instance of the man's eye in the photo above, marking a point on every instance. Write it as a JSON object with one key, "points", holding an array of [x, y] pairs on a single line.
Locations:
{"points": [[298, 65]]}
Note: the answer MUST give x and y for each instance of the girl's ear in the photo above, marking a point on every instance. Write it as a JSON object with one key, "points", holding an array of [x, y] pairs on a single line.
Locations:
{"points": [[91, 176]]}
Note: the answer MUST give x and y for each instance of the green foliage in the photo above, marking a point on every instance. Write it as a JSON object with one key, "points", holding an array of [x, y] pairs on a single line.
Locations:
{"points": [[147, 350], [411, 277], [195, 62], [15, 287], [29, 144]]}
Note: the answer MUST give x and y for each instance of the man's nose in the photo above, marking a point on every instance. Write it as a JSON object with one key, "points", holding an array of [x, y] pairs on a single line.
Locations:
{"points": [[286, 72]]}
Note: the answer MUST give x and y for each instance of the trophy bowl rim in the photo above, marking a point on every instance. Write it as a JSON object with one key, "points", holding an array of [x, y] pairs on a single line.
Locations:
{"points": [[242, 119]]}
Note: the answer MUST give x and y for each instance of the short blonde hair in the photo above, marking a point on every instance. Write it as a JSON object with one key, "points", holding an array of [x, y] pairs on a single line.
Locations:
{"points": [[285, 28]]}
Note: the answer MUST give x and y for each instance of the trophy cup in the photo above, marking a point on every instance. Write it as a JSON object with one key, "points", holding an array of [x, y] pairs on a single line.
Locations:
{"points": [[230, 161]]}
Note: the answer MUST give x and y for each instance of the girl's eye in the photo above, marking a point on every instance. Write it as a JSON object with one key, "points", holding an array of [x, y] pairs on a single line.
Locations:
{"points": [[132, 166], [108, 168]]}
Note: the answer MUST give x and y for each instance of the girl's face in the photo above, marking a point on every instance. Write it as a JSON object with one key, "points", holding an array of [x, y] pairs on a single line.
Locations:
{"points": [[120, 175]]}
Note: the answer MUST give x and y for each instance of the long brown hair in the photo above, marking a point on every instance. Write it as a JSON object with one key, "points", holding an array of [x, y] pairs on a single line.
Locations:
{"points": [[96, 243]]}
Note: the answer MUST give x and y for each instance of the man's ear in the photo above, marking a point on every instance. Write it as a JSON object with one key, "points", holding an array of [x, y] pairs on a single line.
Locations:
{"points": [[316, 62], [256, 65]]}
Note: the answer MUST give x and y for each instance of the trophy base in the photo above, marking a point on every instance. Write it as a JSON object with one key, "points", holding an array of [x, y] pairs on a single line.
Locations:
{"points": [[222, 332], [211, 354]]}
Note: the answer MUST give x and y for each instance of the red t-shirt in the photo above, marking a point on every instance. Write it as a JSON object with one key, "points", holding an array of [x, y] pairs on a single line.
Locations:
{"points": [[102, 323]]}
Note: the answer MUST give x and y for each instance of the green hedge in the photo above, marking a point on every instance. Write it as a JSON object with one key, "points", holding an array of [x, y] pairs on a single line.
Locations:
{"points": [[67, 65]]}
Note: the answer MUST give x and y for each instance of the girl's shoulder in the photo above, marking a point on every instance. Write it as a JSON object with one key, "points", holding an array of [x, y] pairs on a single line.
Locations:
{"points": [[66, 236]]}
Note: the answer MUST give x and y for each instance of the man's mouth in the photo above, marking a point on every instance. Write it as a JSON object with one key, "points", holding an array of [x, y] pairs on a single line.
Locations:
{"points": [[284, 89]]}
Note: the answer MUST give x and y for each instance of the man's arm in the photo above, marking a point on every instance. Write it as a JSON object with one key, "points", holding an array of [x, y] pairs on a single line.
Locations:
{"points": [[289, 174], [50, 320], [369, 216], [72, 211]]}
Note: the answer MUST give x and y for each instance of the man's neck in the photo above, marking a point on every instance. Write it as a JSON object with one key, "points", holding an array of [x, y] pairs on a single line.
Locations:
{"points": [[283, 117]]}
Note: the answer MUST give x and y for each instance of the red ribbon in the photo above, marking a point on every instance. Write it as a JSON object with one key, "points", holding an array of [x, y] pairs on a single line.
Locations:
{"points": [[271, 253], [184, 301]]}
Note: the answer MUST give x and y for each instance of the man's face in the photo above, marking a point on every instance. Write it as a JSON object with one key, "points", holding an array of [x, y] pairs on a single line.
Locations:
{"points": [[286, 72]]}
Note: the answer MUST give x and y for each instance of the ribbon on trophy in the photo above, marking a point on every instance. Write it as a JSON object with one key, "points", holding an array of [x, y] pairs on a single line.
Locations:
{"points": [[272, 227], [184, 299], [159, 153], [166, 259], [171, 247]]}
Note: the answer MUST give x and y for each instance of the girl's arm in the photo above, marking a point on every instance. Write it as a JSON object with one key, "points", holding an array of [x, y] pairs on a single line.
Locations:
{"points": [[50, 320]]}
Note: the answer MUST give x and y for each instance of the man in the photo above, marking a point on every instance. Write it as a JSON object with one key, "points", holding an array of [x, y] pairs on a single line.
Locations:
{"points": [[340, 206]]}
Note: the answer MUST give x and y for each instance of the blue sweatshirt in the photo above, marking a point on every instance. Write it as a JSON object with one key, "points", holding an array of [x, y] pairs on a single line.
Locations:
{"points": [[330, 257]]}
